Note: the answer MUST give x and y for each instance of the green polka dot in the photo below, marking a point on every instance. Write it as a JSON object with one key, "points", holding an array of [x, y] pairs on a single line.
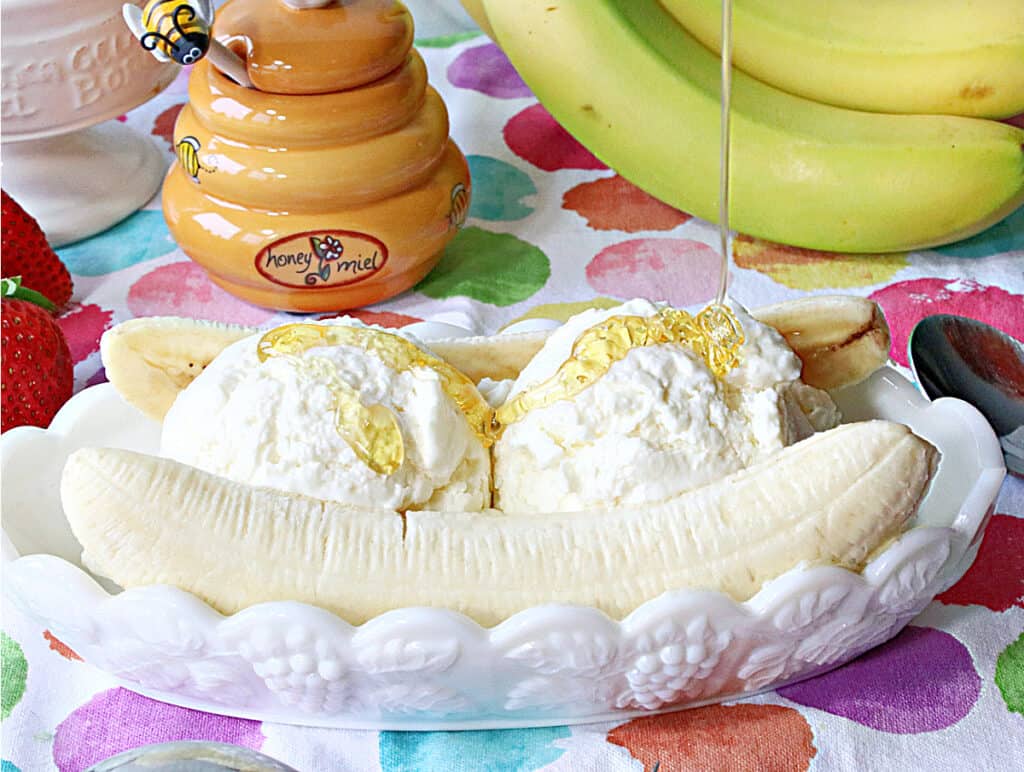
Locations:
{"points": [[1010, 675], [15, 671], [490, 267], [498, 189], [446, 41]]}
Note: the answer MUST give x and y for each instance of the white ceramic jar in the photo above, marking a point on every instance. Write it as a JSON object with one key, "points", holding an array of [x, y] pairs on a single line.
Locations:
{"points": [[67, 67]]}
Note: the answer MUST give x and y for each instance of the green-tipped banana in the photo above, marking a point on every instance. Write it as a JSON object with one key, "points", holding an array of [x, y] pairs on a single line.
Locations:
{"points": [[643, 94], [831, 499], [894, 56]]}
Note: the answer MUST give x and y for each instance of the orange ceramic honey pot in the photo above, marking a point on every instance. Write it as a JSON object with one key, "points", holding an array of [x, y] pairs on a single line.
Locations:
{"points": [[332, 183]]}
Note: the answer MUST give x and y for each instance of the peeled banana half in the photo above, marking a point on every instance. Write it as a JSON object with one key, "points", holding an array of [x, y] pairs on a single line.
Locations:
{"points": [[834, 498], [840, 339]]}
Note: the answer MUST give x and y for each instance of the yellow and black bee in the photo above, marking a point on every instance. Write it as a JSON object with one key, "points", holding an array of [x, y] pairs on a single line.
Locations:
{"points": [[177, 30], [188, 157]]}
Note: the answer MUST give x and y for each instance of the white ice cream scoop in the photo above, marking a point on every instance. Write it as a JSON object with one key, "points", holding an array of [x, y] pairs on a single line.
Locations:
{"points": [[653, 424]]}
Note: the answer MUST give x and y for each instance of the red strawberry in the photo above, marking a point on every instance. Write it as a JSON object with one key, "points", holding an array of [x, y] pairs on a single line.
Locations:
{"points": [[37, 373], [27, 254]]}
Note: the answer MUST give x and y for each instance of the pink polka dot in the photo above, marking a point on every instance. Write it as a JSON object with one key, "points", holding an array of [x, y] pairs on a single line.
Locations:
{"points": [[382, 318], [907, 302], [532, 134], [184, 289], [680, 271], [996, 578], [82, 327]]}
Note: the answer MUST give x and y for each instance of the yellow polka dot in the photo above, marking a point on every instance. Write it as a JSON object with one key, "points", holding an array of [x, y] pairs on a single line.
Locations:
{"points": [[810, 269], [562, 311]]}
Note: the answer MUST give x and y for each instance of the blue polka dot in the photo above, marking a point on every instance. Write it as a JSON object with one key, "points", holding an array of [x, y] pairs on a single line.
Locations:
{"points": [[6, 766], [498, 189], [1004, 236], [503, 750], [141, 236]]}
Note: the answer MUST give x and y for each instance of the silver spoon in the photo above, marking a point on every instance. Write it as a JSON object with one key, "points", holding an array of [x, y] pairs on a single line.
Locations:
{"points": [[953, 356], [190, 756]]}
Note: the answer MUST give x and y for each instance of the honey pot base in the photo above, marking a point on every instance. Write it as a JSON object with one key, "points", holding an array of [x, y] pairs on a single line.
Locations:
{"points": [[323, 261]]}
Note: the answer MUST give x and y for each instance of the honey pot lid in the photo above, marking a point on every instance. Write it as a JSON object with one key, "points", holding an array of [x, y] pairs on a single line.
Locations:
{"points": [[316, 46]]}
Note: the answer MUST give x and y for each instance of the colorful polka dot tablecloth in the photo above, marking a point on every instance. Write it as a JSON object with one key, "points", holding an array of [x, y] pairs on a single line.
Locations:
{"points": [[551, 231]]}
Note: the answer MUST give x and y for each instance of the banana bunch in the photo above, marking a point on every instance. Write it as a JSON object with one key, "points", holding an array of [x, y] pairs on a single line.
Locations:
{"points": [[831, 499], [634, 82]]}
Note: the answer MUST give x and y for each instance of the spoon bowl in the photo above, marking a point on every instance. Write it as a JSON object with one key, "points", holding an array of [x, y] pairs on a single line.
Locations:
{"points": [[953, 356]]}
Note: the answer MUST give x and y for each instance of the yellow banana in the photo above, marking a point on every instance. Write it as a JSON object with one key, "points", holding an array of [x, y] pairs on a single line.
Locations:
{"points": [[893, 56], [476, 12]]}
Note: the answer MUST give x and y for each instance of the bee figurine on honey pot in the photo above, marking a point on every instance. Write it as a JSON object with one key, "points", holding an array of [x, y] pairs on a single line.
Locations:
{"points": [[315, 171], [171, 29]]}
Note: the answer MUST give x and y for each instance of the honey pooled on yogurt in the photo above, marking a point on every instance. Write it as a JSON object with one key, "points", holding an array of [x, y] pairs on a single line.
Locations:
{"points": [[371, 431], [714, 334]]}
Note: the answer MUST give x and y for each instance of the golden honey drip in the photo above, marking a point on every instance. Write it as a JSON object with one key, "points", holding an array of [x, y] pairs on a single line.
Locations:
{"points": [[395, 351], [714, 334], [371, 431]]}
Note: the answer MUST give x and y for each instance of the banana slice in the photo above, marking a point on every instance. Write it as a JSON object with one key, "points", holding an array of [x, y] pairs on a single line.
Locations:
{"points": [[149, 360], [840, 339], [831, 499]]}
